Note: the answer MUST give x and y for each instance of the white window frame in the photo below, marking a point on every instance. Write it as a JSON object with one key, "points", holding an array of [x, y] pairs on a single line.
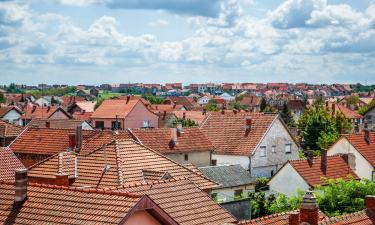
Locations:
{"points": [[288, 148], [273, 148], [263, 151]]}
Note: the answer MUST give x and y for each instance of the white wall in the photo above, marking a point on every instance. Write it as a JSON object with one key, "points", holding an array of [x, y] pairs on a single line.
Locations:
{"points": [[12, 116], [287, 181], [58, 115], [86, 126], [227, 194], [363, 168], [232, 160]]}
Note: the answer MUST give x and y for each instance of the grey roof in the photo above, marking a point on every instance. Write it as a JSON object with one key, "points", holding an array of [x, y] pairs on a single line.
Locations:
{"points": [[228, 176]]}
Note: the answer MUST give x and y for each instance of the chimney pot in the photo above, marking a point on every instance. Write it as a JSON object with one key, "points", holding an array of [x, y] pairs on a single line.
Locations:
{"points": [[367, 136], [174, 137], [370, 202], [78, 138], [20, 186], [127, 99], [309, 209], [179, 129], [294, 218], [48, 124]]}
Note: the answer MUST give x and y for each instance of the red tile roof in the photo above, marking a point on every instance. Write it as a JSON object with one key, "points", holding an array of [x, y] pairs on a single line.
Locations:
{"points": [[197, 116], [68, 100], [183, 201], [364, 217], [160, 139], [188, 103], [46, 204], [42, 112], [9, 130], [126, 160], [348, 113], [88, 106], [367, 150], [49, 141], [227, 131], [5, 110], [8, 164], [112, 107], [56, 123], [160, 108], [312, 174], [82, 116]]}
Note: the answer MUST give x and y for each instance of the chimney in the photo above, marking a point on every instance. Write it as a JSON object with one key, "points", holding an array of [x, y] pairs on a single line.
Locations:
{"points": [[367, 136], [222, 111], [179, 130], [310, 157], [323, 161], [184, 115], [349, 159], [309, 209], [48, 124], [333, 109], [72, 141], [62, 179], [234, 111], [174, 137], [370, 202], [48, 108], [78, 138], [294, 218], [34, 108], [127, 99], [164, 114], [20, 186], [204, 112], [248, 124]]}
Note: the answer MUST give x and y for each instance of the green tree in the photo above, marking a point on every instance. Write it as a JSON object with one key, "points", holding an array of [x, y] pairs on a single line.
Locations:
{"points": [[212, 106], [153, 99], [282, 203], [263, 104], [185, 122], [352, 99], [261, 184], [2, 97], [237, 105], [99, 101], [286, 115]]}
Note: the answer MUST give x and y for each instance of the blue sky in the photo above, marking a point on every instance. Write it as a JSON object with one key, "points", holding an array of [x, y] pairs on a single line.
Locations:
{"points": [[114, 41]]}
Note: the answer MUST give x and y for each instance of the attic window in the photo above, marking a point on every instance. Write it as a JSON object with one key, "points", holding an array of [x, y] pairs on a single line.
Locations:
{"points": [[186, 157], [288, 148], [263, 151], [273, 148], [146, 123]]}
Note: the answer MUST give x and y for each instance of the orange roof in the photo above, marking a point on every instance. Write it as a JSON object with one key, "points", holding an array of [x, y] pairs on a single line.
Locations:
{"points": [[111, 108], [88, 106], [367, 150], [42, 112], [82, 115], [160, 139], [160, 108], [9, 130], [196, 116], [50, 141], [187, 102], [312, 174], [46, 204], [183, 201], [364, 217], [348, 113], [126, 160], [5, 110], [68, 100], [8, 164], [56, 123], [227, 131]]}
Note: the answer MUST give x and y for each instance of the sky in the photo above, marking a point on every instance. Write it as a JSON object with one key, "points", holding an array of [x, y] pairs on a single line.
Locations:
{"points": [[189, 41]]}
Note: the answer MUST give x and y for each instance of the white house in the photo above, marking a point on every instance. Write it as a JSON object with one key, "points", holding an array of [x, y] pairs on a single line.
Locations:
{"points": [[11, 114], [234, 181], [258, 142], [227, 97], [361, 146], [203, 100], [306, 174]]}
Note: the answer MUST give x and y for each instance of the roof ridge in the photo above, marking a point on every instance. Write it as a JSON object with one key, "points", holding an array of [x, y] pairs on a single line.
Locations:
{"points": [[145, 183], [119, 167], [315, 157], [344, 216]]}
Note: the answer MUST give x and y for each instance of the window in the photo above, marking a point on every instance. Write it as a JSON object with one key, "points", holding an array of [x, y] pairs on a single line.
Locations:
{"points": [[99, 124], [213, 162], [238, 193], [273, 148], [288, 148], [146, 123], [186, 157], [263, 151], [272, 172], [116, 125]]}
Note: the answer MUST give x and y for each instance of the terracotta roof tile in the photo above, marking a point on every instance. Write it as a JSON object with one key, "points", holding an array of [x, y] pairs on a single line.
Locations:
{"points": [[196, 116], [8, 163], [160, 108], [348, 113], [367, 150], [160, 139], [312, 174], [189, 104], [88, 106], [47, 204], [82, 115], [227, 131], [5, 110], [42, 112], [68, 100], [183, 201], [9, 130], [56, 123], [364, 217], [112, 107]]}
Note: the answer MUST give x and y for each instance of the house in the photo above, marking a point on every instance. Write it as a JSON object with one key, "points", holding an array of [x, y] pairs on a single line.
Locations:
{"points": [[259, 142], [370, 117], [26, 202], [8, 164], [94, 92], [361, 147], [309, 213], [296, 107], [110, 162], [161, 108], [11, 114], [306, 174], [186, 102], [41, 112], [355, 118], [123, 114], [204, 100], [8, 132], [69, 100], [60, 123], [197, 116], [252, 102], [227, 97], [82, 107], [234, 181], [183, 145]]}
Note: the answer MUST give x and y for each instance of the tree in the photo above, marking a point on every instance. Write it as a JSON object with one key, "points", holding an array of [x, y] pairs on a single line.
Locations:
{"points": [[263, 104], [153, 99], [99, 101], [282, 203], [212, 106], [237, 105], [185, 122], [352, 100], [286, 115], [2, 97]]}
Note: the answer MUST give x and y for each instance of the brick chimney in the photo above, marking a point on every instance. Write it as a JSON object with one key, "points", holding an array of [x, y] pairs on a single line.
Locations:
{"points": [[179, 130], [309, 209], [48, 108], [309, 157], [323, 161], [78, 138], [62, 179], [72, 141], [294, 218], [367, 136], [48, 124], [20, 186], [248, 124], [370, 202], [127, 99], [184, 115], [174, 140]]}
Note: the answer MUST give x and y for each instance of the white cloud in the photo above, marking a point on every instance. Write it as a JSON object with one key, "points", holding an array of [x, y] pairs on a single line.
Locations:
{"points": [[159, 23]]}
